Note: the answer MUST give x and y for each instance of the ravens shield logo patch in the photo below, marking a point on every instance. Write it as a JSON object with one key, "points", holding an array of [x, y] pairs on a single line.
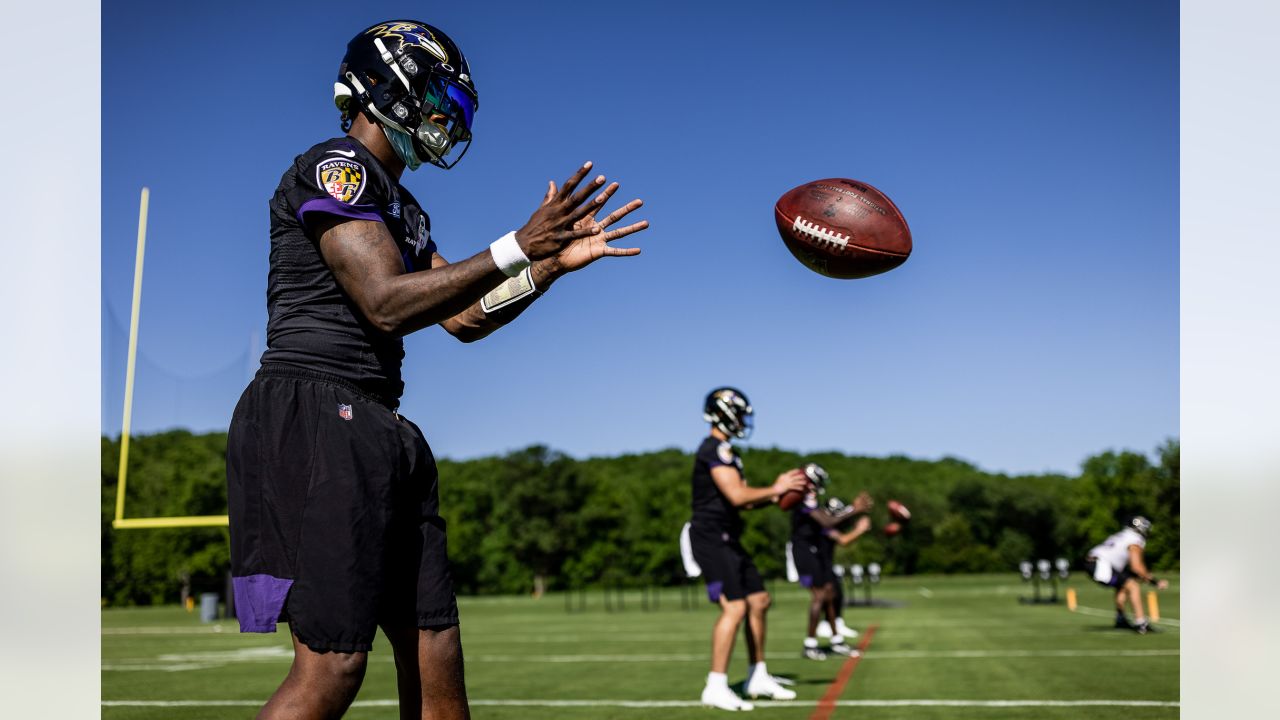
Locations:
{"points": [[343, 179]]}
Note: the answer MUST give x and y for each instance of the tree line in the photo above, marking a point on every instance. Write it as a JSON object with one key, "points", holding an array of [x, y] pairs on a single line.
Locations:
{"points": [[537, 518]]}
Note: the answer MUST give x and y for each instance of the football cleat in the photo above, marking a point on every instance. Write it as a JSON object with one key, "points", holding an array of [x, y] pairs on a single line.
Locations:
{"points": [[721, 697], [846, 650], [845, 630], [814, 654], [762, 685], [1142, 628], [824, 629], [1122, 623]]}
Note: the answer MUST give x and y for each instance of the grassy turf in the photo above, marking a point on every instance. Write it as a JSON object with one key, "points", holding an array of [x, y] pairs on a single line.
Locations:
{"points": [[956, 638]]}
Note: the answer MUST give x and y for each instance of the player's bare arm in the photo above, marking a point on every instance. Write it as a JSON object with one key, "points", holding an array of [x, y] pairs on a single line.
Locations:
{"points": [[480, 319], [829, 520], [366, 263], [860, 528], [732, 485], [1138, 562]]}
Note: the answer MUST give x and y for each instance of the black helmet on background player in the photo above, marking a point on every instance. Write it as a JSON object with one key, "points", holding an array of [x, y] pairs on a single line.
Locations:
{"points": [[1141, 524], [818, 476], [729, 410], [402, 74]]}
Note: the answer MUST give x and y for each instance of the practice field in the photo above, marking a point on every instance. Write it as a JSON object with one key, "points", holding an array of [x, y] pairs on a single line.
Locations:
{"points": [[961, 647]]}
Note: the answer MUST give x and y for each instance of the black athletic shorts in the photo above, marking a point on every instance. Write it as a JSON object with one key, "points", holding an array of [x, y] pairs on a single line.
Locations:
{"points": [[726, 567], [813, 564], [335, 524]]}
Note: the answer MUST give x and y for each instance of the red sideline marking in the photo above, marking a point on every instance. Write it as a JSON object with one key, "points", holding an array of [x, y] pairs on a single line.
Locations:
{"points": [[827, 704]]}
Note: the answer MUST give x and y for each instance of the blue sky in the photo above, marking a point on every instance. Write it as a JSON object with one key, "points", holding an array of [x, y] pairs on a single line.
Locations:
{"points": [[1033, 148]]}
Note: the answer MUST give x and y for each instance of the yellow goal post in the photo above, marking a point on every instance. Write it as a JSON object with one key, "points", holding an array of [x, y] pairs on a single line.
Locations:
{"points": [[121, 522]]}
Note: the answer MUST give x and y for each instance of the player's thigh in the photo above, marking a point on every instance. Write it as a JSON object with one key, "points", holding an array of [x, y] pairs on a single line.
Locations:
{"points": [[419, 588], [808, 565]]}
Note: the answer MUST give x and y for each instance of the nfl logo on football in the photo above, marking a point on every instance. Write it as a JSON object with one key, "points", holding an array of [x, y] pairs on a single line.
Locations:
{"points": [[344, 411]]}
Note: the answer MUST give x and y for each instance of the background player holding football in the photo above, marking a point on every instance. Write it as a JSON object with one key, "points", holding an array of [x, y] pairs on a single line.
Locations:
{"points": [[719, 492], [815, 532], [334, 511], [1118, 563]]}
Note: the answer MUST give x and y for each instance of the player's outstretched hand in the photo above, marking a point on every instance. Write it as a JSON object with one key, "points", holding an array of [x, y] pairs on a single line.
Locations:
{"points": [[586, 250], [555, 223], [791, 480], [1162, 584], [862, 524], [863, 502]]}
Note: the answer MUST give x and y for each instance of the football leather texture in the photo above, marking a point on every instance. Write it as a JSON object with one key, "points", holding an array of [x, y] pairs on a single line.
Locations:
{"points": [[843, 228], [790, 499]]}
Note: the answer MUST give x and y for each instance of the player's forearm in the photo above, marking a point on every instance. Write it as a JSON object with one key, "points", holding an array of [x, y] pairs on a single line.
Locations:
{"points": [[829, 520], [749, 497], [476, 322], [845, 538], [412, 301]]}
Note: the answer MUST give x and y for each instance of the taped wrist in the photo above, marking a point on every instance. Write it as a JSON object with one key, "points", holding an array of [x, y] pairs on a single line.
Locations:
{"points": [[510, 292], [508, 256]]}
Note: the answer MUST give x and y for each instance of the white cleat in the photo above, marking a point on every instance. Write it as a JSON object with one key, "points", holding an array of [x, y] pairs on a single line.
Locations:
{"points": [[762, 685], [824, 628], [722, 698], [846, 650], [845, 630]]}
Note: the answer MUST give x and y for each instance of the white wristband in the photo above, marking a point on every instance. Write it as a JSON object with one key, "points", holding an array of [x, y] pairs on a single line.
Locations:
{"points": [[507, 254]]}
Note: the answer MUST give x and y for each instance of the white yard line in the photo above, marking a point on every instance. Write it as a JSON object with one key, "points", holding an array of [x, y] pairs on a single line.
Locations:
{"points": [[685, 703], [201, 661]]}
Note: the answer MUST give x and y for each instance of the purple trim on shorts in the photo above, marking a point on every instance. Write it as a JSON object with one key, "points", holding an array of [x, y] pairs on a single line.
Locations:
{"points": [[806, 581], [259, 599], [714, 590], [331, 206]]}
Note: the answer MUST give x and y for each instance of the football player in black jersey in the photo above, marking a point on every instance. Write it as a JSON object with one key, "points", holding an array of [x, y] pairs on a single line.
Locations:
{"points": [[815, 532], [335, 524], [719, 492]]}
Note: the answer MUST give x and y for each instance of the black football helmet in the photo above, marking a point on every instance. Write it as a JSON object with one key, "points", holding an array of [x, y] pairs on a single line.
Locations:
{"points": [[729, 410], [818, 476], [410, 77], [1141, 524]]}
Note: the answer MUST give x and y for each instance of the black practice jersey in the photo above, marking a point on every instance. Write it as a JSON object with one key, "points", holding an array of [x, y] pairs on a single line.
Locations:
{"points": [[311, 322], [711, 509], [804, 529]]}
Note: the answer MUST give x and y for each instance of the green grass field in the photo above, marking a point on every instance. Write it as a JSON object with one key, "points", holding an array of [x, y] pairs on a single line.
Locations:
{"points": [[960, 638]]}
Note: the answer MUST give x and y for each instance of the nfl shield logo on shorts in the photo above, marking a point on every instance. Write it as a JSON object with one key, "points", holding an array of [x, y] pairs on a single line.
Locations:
{"points": [[344, 411]]}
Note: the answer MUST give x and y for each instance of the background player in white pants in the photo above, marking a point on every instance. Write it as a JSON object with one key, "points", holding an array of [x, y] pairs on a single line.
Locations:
{"points": [[1118, 563]]}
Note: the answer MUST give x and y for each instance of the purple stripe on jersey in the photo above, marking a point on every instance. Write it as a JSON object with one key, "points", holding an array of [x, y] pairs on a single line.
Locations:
{"points": [[259, 599], [714, 589], [330, 206], [806, 581]]}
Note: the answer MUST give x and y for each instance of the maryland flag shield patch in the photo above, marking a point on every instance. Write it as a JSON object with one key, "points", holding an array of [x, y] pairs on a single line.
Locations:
{"points": [[341, 178]]}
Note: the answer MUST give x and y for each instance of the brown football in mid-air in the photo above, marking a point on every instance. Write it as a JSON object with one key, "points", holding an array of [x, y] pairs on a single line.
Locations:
{"points": [[843, 228]]}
